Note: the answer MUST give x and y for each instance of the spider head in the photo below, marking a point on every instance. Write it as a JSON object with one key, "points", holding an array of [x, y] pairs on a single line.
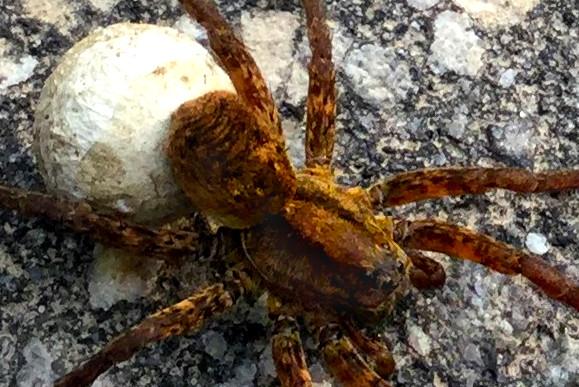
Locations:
{"points": [[387, 282], [327, 249], [376, 274]]}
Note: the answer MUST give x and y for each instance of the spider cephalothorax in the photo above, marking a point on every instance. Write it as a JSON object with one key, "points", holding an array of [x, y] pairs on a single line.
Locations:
{"points": [[329, 249], [320, 249]]}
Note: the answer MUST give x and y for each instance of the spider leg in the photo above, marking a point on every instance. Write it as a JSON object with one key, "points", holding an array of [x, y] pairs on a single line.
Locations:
{"points": [[183, 317], [425, 273], [237, 61], [377, 353], [462, 243], [106, 229], [321, 104], [287, 350], [344, 360], [410, 187], [288, 353]]}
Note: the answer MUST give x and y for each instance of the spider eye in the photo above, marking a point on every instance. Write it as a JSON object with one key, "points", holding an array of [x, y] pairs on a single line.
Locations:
{"points": [[386, 276], [387, 284], [400, 267]]}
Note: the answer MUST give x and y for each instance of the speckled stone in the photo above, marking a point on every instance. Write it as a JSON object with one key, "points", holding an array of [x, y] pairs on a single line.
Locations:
{"points": [[518, 108]]}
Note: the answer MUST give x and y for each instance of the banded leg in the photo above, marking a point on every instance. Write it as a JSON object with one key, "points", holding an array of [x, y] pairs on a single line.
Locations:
{"points": [[183, 317], [288, 352], [109, 230], [344, 361], [237, 61], [375, 352], [426, 184], [462, 243], [321, 105], [425, 273]]}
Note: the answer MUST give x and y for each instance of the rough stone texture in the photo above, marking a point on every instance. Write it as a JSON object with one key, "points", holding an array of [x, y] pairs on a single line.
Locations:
{"points": [[482, 329]]}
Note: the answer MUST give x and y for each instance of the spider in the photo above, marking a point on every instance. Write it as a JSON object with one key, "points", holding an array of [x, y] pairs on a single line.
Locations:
{"points": [[319, 248]]}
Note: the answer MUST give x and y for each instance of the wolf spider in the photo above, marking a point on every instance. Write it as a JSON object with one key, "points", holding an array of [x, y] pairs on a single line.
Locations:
{"points": [[320, 249]]}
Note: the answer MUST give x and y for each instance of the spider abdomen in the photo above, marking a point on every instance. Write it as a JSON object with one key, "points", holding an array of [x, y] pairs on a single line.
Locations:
{"points": [[227, 160]]}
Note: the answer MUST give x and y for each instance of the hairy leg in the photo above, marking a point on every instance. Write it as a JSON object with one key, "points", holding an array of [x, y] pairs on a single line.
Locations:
{"points": [[183, 317], [425, 273], [344, 360], [375, 352], [288, 354], [286, 346], [410, 187], [321, 105], [237, 61], [462, 243], [109, 230]]}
